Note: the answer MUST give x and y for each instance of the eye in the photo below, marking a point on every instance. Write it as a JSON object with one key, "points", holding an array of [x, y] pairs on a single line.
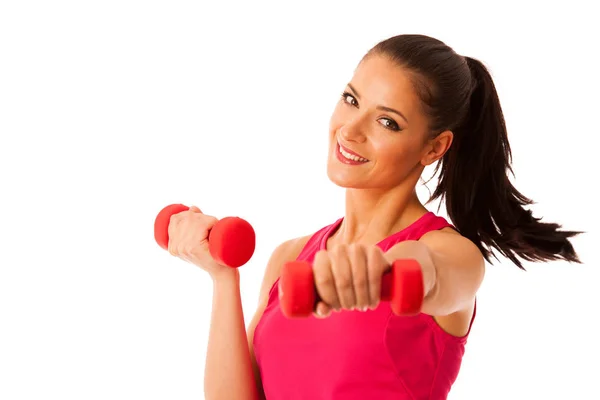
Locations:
{"points": [[389, 124], [348, 98]]}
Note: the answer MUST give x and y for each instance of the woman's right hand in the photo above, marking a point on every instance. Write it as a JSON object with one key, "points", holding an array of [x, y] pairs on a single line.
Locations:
{"points": [[188, 240]]}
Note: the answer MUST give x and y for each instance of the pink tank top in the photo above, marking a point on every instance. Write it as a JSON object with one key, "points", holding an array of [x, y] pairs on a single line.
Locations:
{"points": [[353, 355]]}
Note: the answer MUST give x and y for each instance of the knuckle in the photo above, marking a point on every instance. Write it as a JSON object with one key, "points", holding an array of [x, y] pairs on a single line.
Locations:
{"points": [[354, 252], [359, 255], [374, 276], [339, 249], [319, 263], [374, 273], [357, 263], [204, 218], [358, 248], [373, 251], [360, 281], [323, 280], [320, 255], [173, 223], [344, 283]]}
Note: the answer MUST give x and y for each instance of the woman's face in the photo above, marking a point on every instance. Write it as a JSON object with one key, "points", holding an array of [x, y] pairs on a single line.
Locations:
{"points": [[377, 123]]}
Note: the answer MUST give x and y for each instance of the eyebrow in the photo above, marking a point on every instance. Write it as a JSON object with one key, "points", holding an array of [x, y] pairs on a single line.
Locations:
{"points": [[383, 108]]}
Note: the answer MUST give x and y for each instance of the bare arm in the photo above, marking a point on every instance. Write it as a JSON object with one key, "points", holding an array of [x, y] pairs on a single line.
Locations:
{"points": [[228, 370], [231, 371], [453, 269]]}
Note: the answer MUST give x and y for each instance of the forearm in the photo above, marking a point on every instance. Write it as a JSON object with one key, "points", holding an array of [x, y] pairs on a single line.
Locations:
{"points": [[228, 370]]}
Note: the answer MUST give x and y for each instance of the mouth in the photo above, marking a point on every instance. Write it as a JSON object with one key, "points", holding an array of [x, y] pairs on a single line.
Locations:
{"points": [[348, 156]]}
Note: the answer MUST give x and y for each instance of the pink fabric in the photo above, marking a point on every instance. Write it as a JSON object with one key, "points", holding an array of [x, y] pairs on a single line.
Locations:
{"points": [[353, 355]]}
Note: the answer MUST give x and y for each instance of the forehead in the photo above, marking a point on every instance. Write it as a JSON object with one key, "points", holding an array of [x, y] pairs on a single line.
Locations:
{"points": [[382, 81]]}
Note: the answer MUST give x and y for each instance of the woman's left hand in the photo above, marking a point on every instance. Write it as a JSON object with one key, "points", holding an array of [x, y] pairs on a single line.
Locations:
{"points": [[348, 277]]}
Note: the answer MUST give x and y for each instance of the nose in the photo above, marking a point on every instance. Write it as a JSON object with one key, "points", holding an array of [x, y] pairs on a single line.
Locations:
{"points": [[352, 131]]}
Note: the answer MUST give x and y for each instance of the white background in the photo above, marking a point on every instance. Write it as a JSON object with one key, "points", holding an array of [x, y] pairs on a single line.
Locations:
{"points": [[110, 110]]}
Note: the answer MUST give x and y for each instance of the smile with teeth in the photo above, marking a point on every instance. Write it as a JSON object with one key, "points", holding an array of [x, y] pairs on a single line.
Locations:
{"points": [[351, 156]]}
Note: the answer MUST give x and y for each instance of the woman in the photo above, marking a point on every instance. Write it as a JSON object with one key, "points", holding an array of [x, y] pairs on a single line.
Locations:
{"points": [[412, 102]]}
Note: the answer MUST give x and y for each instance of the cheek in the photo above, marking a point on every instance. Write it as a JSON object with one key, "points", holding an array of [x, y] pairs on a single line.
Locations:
{"points": [[398, 152]]}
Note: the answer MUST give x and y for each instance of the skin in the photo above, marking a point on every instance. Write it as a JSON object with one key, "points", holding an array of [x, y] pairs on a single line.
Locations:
{"points": [[380, 200]]}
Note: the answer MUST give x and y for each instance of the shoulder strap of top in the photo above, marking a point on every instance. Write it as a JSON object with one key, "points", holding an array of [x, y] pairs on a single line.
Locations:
{"points": [[427, 223], [317, 241], [312, 246]]}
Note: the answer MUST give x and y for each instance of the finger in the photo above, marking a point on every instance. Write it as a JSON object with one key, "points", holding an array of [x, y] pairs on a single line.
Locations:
{"points": [[360, 275], [324, 281], [173, 233], [174, 221], [322, 310], [377, 264], [182, 249], [194, 223], [195, 209], [209, 221], [342, 275], [195, 231], [171, 248]]}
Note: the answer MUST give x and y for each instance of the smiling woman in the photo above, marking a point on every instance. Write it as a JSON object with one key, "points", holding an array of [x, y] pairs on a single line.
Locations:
{"points": [[412, 102], [371, 122]]}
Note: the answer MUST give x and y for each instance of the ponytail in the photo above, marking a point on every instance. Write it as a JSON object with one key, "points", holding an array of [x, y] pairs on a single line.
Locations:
{"points": [[480, 199], [457, 93]]}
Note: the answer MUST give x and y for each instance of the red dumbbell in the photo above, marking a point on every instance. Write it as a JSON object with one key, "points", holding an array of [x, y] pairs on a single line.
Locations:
{"points": [[402, 286], [231, 241]]}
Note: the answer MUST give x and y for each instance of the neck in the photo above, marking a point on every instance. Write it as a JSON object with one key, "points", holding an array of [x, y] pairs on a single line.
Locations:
{"points": [[372, 215]]}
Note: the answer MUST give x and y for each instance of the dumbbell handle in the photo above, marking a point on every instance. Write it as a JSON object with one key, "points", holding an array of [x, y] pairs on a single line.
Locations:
{"points": [[231, 241], [402, 286]]}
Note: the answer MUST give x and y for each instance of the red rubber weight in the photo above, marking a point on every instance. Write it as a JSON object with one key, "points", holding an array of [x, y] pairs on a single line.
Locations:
{"points": [[231, 241], [402, 287], [161, 223]]}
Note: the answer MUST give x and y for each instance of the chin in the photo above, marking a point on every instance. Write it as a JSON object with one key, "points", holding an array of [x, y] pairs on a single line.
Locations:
{"points": [[345, 180]]}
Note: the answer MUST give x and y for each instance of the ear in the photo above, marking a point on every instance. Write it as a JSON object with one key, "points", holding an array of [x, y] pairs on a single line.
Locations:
{"points": [[437, 147]]}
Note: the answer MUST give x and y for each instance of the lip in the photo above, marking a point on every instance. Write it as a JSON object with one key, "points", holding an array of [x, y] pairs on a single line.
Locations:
{"points": [[347, 150], [344, 160]]}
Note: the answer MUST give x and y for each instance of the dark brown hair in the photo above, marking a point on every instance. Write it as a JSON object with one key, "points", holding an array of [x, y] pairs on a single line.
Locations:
{"points": [[458, 94]]}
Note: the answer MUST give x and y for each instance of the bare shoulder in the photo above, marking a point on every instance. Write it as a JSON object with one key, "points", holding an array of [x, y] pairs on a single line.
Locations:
{"points": [[460, 263], [452, 244], [290, 248]]}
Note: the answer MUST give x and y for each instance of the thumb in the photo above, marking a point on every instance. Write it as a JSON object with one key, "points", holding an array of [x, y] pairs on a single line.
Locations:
{"points": [[322, 310]]}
